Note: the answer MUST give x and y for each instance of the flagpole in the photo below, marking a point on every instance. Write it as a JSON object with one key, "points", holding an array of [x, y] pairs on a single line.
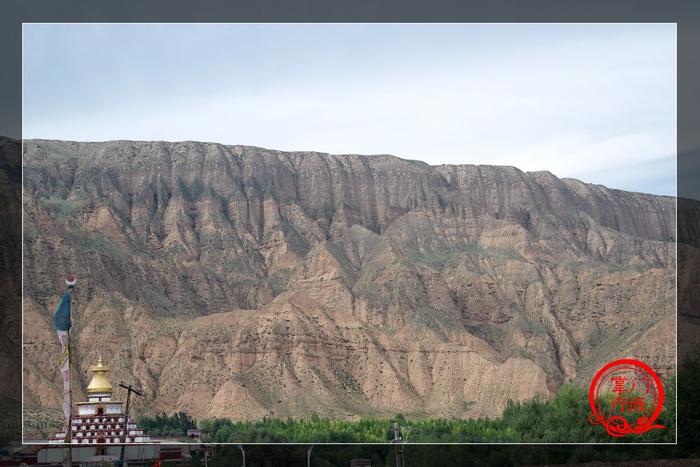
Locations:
{"points": [[70, 403], [61, 321], [69, 433]]}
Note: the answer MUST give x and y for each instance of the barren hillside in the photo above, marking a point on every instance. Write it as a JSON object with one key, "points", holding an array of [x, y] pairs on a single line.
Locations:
{"points": [[243, 282]]}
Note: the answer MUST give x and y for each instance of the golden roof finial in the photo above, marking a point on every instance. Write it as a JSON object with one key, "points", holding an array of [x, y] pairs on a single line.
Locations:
{"points": [[99, 382]]}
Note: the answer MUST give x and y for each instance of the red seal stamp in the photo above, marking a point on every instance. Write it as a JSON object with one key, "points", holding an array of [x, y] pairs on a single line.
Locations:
{"points": [[626, 397]]}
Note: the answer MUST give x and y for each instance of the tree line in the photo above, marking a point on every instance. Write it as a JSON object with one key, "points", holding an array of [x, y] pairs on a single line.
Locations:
{"points": [[564, 418]]}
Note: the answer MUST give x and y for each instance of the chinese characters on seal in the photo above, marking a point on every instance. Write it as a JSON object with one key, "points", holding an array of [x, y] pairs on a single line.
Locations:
{"points": [[626, 397]]}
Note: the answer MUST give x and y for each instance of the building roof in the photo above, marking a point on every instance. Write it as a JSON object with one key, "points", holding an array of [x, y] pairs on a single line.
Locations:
{"points": [[99, 403], [99, 382]]}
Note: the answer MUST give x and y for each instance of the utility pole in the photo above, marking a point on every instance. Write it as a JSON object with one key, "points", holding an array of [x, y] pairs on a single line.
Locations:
{"points": [[399, 447], [129, 389], [308, 456], [240, 446]]}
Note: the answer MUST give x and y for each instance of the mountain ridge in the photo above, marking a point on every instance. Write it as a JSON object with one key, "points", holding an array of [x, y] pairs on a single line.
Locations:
{"points": [[288, 283], [322, 153]]}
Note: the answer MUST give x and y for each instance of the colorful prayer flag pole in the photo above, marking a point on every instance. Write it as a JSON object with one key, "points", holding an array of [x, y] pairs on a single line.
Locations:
{"points": [[62, 324]]}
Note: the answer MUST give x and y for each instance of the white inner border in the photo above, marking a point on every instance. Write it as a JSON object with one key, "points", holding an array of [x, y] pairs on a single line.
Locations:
{"points": [[58, 446]]}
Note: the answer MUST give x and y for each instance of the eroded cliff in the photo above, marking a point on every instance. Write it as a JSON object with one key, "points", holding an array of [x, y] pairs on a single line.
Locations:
{"points": [[243, 282]]}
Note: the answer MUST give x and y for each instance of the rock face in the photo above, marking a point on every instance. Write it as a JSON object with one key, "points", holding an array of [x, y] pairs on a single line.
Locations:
{"points": [[242, 282]]}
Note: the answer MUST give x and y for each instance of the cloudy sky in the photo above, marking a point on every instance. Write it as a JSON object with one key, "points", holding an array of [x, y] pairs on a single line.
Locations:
{"points": [[591, 101]]}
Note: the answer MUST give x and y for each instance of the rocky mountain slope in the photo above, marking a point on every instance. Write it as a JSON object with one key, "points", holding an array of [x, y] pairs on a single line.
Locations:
{"points": [[243, 282]]}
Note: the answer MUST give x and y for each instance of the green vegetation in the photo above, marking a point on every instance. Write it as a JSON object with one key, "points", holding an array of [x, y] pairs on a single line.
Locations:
{"points": [[441, 257], [449, 255], [539, 420], [96, 244], [562, 419], [167, 426], [57, 206], [280, 279], [562, 415]]}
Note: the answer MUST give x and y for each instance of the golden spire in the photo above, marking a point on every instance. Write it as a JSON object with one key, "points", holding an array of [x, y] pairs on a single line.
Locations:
{"points": [[99, 382]]}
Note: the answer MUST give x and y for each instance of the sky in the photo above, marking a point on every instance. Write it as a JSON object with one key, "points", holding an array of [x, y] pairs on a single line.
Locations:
{"points": [[595, 102]]}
